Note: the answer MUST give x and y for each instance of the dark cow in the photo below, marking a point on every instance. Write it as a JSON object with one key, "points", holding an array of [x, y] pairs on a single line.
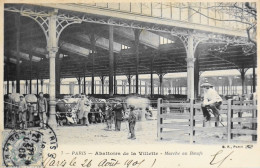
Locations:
{"points": [[63, 110]]}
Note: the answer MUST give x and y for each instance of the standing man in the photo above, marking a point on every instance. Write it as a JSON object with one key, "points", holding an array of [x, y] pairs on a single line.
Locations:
{"points": [[83, 111], [212, 101], [118, 115], [109, 117], [9, 108], [22, 111], [132, 120], [42, 109]]}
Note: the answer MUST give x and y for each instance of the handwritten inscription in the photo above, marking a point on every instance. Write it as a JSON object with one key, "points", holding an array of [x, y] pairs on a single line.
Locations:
{"points": [[53, 161], [219, 158]]}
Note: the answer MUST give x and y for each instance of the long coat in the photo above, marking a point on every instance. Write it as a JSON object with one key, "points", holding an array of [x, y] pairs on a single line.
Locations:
{"points": [[118, 112]]}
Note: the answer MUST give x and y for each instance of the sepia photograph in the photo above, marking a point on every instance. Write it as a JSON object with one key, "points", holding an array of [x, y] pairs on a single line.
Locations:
{"points": [[127, 74]]}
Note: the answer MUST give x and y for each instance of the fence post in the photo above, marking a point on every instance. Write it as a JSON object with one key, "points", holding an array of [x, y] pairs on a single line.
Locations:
{"points": [[254, 125], [239, 114], [159, 119], [192, 101], [229, 116]]}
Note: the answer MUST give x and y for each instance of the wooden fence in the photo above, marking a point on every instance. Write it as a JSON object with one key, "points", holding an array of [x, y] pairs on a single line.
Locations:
{"points": [[185, 122]]}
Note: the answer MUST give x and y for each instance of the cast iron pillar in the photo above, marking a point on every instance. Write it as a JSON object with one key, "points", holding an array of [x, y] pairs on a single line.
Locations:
{"points": [[137, 33], [93, 48], [58, 74], [111, 59], [17, 25], [52, 48], [30, 84]]}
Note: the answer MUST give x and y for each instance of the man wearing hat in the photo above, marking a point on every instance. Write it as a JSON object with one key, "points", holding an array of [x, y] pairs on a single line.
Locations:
{"points": [[109, 116], [118, 109], [42, 107], [212, 101], [132, 120], [22, 108]]}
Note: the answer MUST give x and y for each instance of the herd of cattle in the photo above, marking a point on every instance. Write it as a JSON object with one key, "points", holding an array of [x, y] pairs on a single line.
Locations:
{"points": [[67, 109]]}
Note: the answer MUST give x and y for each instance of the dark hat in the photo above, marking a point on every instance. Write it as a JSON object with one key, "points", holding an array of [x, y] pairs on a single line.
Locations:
{"points": [[206, 85], [131, 106]]}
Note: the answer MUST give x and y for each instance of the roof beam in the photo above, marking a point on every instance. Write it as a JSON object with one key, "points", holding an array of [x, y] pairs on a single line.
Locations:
{"points": [[74, 49], [146, 37], [101, 42]]}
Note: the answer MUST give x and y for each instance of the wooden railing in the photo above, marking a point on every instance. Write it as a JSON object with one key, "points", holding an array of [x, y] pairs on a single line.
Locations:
{"points": [[190, 125]]}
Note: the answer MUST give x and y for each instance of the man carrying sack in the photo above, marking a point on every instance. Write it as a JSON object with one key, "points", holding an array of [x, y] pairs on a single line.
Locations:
{"points": [[212, 101]]}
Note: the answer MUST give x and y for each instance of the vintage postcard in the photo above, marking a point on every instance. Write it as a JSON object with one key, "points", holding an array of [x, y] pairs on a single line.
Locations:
{"points": [[129, 84]]}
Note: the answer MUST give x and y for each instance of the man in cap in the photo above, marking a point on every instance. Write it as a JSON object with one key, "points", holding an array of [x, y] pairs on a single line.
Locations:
{"points": [[118, 109], [109, 116], [83, 111], [22, 109], [42, 107], [212, 101], [132, 120]]}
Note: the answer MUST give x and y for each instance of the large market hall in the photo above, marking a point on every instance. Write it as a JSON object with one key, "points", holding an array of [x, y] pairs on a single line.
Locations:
{"points": [[156, 53]]}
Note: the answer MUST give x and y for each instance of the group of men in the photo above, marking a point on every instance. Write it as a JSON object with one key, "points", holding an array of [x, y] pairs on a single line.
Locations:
{"points": [[117, 114], [21, 108], [114, 112]]}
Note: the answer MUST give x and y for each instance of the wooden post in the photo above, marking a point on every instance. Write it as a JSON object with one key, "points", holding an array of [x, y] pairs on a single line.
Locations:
{"points": [[190, 66], [192, 122], [240, 113], [229, 118], [111, 59], [159, 119]]}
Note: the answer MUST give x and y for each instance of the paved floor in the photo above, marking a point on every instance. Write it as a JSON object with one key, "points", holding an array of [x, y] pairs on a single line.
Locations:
{"points": [[146, 132]]}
